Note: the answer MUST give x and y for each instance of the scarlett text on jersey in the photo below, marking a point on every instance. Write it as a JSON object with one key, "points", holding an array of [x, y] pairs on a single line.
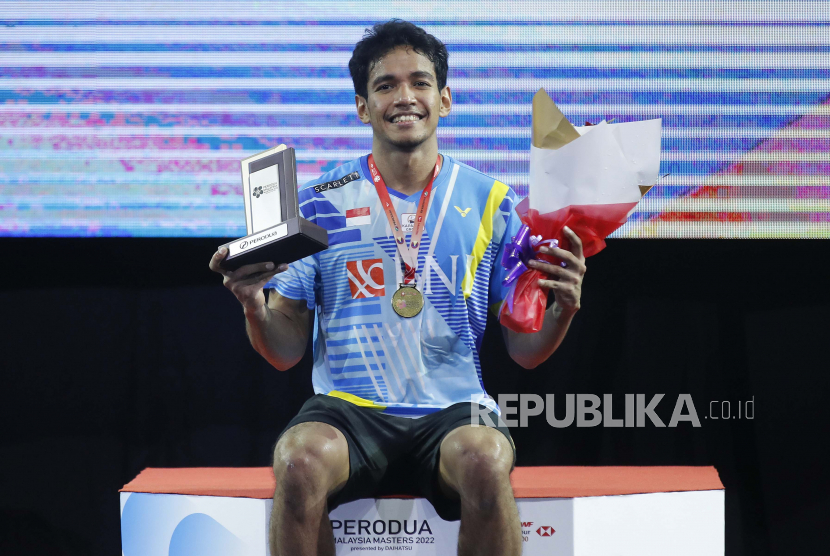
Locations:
{"points": [[589, 410]]}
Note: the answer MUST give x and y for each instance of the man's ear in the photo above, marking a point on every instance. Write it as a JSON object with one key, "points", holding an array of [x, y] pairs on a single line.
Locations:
{"points": [[446, 102], [362, 109]]}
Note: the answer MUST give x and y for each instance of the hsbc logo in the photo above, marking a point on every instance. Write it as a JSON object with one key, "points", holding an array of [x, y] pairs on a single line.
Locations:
{"points": [[543, 531], [366, 278]]}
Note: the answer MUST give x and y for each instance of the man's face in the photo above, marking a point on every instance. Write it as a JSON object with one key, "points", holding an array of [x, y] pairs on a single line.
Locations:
{"points": [[404, 102]]}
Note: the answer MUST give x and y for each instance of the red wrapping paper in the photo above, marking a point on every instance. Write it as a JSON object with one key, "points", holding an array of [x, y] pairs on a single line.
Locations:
{"points": [[592, 223]]}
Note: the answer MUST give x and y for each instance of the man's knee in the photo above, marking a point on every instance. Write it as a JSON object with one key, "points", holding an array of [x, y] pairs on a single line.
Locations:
{"points": [[309, 459], [476, 461]]}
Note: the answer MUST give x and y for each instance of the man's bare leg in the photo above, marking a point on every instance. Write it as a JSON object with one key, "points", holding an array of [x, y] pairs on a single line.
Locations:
{"points": [[325, 536], [475, 466], [311, 461]]}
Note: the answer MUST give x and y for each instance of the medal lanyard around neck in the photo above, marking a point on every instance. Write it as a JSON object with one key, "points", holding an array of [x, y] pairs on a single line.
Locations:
{"points": [[409, 253]]}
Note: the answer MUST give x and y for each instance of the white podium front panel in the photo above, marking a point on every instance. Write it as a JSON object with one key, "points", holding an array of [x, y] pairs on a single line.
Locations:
{"points": [[655, 524], [182, 525], [660, 523]]}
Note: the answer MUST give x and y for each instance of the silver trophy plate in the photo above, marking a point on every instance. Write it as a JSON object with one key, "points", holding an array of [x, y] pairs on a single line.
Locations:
{"points": [[276, 231]]}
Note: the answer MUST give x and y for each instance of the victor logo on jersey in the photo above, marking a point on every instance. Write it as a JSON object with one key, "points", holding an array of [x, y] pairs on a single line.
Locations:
{"points": [[366, 278]]}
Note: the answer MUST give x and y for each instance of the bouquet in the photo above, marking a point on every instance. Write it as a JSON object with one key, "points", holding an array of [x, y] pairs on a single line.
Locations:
{"points": [[587, 178]]}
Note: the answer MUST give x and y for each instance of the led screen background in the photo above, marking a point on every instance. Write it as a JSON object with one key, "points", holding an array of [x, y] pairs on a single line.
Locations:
{"points": [[129, 119]]}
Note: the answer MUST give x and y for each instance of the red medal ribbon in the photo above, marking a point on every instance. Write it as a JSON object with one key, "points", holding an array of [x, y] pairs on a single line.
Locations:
{"points": [[409, 253]]}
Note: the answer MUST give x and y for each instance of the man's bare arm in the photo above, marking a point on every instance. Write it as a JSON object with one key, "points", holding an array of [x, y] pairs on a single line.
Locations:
{"points": [[278, 329], [531, 350]]}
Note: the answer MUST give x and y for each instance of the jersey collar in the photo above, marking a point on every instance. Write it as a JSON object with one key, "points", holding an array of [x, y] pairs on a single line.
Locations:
{"points": [[440, 180]]}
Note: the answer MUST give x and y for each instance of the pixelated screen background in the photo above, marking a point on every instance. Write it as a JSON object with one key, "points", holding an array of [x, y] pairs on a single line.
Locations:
{"points": [[130, 118]]}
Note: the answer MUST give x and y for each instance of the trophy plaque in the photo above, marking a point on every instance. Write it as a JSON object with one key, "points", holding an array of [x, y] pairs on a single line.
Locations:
{"points": [[275, 230]]}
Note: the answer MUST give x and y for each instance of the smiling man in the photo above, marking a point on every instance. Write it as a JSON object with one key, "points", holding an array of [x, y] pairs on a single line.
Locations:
{"points": [[398, 305]]}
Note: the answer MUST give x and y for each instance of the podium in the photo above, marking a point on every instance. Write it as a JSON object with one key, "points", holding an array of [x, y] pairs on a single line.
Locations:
{"points": [[573, 511]]}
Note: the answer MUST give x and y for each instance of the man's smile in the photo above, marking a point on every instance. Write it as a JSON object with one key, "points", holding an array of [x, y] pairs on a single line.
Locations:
{"points": [[406, 118]]}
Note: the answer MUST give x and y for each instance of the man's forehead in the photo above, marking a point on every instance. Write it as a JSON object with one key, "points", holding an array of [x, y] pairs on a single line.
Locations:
{"points": [[400, 58]]}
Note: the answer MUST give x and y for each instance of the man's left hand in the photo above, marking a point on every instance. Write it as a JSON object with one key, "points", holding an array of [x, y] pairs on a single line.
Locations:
{"points": [[565, 282]]}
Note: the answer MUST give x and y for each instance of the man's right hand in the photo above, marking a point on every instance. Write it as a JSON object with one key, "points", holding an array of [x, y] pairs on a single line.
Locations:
{"points": [[246, 282]]}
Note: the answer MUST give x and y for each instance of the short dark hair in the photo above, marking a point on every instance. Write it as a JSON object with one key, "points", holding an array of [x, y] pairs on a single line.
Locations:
{"points": [[378, 41]]}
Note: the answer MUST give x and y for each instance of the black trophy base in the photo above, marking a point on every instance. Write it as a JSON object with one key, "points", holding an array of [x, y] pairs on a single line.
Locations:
{"points": [[298, 239]]}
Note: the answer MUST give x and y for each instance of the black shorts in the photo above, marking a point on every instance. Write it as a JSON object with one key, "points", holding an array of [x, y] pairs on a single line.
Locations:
{"points": [[391, 455]]}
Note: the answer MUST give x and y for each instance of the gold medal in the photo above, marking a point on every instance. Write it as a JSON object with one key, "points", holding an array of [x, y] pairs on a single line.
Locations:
{"points": [[407, 301]]}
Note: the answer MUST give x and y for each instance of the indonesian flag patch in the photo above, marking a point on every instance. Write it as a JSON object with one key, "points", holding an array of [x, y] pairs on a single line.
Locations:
{"points": [[358, 217]]}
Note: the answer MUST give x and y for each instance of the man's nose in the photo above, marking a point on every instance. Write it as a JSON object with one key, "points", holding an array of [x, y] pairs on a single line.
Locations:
{"points": [[404, 96]]}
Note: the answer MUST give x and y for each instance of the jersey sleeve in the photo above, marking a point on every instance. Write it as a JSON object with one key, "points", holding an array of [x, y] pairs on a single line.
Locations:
{"points": [[300, 281], [506, 224]]}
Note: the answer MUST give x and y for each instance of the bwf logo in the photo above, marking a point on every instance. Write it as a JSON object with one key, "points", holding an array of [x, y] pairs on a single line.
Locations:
{"points": [[366, 278], [257, 191]]}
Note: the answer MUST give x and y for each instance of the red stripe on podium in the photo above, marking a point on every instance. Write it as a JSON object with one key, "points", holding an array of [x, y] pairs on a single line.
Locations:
{"points": [[528, 482]]}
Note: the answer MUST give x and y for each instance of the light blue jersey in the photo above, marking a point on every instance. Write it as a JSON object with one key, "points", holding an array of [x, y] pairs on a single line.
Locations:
{"points": [[363, 351]]}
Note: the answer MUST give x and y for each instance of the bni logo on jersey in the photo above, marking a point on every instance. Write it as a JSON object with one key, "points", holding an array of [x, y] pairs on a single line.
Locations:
{"points": [[366, 278]]}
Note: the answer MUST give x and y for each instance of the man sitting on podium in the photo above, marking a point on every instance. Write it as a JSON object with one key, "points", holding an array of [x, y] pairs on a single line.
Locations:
{"points": [[398, 305]]}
